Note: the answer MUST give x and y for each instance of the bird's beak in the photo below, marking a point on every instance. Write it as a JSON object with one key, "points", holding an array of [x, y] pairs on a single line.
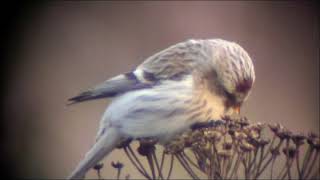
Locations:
{"points": [[237, 109]]}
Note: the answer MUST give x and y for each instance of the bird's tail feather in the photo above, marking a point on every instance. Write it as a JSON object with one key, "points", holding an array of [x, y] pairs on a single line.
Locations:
{"points": [[101, 148]]}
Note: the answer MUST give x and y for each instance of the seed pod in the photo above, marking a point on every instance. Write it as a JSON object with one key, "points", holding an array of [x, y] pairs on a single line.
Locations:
{"points": [[298, 139], [290, 151], [147, 145]]}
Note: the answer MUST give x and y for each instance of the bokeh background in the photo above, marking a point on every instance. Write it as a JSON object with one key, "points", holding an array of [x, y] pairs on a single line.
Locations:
{"points": [[62, 48]]}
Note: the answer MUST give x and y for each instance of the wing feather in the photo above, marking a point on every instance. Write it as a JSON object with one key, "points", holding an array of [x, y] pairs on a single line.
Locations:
{"points": [[111, 88], [173, 63], [176, 61]]}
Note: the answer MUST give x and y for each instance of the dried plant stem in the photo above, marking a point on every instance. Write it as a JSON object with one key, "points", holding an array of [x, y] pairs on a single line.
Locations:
{"points": [[236, 166], [298, 163], [264, 166], [257, 168], [186, 166], [190, 161], [232, 162], [138, 166], [213, 154], [171, 166], [287, 172], [308, 171], [306, 160], [288, 159], [157, 164], [150, 162], [272, 166], [99, 174], [118, 173], [253, 162], [162, 160]]}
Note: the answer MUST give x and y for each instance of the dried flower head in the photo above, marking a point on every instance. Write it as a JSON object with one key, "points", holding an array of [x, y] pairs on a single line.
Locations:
{"points": [[289, 151], [275, 127], [298, 139], [239, 135], [147, 145], [227, 145], [284, 133], [212, 135], [275, 151], [243, 121], [117, 165], [246, 147], [98, 166], [313, 140], [174, 147]]}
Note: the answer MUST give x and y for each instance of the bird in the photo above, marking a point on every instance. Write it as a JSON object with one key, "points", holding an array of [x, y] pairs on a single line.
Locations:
{"points": [[196, 80]]}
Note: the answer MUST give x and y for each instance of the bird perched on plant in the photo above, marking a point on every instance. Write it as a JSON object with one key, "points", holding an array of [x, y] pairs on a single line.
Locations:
{"points": [[192, 81]]}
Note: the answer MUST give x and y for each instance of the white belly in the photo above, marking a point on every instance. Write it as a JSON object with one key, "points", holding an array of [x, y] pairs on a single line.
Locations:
{"points": [[150, 112], [159, 112]]}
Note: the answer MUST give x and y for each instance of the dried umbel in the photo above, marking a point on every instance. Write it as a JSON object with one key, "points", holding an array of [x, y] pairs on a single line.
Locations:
{"points": [[232, 149]]}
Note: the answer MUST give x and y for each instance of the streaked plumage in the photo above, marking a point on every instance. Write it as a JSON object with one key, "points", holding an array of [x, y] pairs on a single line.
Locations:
{"points": [[192, 81]]}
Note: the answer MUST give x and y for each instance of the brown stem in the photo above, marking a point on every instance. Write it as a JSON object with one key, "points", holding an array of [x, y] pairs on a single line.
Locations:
{"points": [[288, 159], [253, 161], [140, 169], [298, 162], [272, 165], [234, 154], [171, 166], [308, 171], [236, 166], [288, 169], [264, 167], [190, 161], [186, 167], [150, 162], [157, 164], [306, 159], [162, 162]]}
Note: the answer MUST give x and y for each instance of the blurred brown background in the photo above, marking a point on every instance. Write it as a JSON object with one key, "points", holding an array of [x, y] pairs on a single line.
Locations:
{"points": [[67, 47]]}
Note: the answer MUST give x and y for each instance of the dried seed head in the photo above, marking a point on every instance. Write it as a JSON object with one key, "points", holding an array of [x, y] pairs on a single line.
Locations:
{"points": [[98, 166], [227, 146], [240, 135], [254, 134], [275, 128], [264, 142], [284, 133], [314, 141], [213, 135], [257, 127], [117, 165], [246, 147], [174, 147], [290, 151], [147, 146], [298, 139], [275, 151], [243, 121], [231, 132], [253, 141]]}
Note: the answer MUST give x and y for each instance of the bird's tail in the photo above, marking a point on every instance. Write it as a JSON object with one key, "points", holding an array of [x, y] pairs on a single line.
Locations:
{"points": [[101, 148]]}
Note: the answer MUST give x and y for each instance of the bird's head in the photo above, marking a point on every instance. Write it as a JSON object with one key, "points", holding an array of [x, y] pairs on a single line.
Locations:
{"points": [[234, 73]]}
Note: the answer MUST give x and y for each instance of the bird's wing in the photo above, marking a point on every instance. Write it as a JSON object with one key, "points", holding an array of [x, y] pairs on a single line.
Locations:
{"points": [[110, 88], [172, 63]]}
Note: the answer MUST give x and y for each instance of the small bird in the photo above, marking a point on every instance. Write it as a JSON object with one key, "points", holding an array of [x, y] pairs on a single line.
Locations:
{"points": [[190, 82]]}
